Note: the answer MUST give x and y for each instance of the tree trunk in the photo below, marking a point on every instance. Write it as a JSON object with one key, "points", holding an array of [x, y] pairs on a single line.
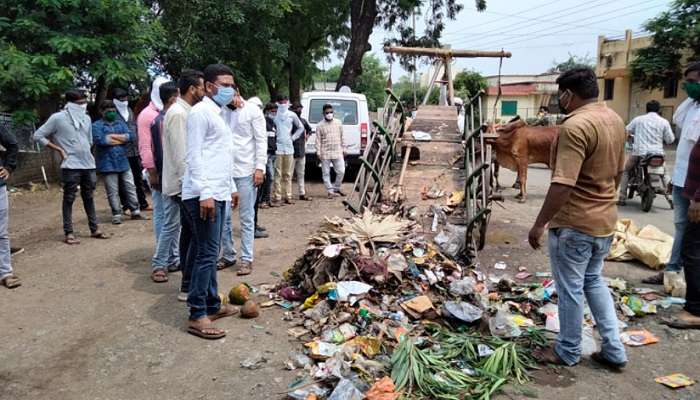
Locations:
{"points": [[363, 15], [294, 70], [272, 88]]}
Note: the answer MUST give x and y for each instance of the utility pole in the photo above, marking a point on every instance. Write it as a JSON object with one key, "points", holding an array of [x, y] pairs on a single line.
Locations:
{"points": [[415, 100]]}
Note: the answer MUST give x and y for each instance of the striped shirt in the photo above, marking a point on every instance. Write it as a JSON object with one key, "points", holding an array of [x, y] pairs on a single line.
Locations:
{"points": [[650, 132]]}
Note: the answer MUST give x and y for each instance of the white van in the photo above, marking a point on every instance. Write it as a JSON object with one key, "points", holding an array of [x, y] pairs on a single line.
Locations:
{"points": [[350, 109]]}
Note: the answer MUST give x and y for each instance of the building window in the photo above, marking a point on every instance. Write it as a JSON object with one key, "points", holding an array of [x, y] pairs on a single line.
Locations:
{"points": [[671, 89], [509, 108], [609, 89]]}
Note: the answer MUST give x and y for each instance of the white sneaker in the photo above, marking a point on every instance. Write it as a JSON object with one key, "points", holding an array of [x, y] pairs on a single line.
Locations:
{"points": [[182, 296]]}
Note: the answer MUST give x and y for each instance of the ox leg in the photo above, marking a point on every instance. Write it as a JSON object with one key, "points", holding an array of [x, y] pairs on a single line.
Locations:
{"points": [[496, 168], [522, 177]]}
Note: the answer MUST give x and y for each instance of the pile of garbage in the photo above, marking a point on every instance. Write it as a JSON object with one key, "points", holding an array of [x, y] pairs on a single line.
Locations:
{"points": [[383, 311]]}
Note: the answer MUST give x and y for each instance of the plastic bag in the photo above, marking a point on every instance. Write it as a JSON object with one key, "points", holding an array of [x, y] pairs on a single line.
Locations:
{"points": [[347, 288], [346, 390], [502, 325], [463, 287], [456, 236], [463, 311], [588, 344], [674, 284]]}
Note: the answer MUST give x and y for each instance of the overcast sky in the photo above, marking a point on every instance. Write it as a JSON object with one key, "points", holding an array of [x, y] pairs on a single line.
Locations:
{"points": [[537, 32]]}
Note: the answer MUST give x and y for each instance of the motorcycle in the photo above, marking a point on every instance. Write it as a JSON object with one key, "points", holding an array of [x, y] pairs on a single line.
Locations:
{"points": [[648, 178]]}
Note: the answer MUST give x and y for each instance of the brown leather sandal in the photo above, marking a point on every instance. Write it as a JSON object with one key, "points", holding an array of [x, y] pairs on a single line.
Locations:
{"points": [[159, 276]]}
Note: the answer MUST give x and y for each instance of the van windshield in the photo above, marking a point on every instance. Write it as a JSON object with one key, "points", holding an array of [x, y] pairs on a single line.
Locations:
{"points": [[343, 110]]}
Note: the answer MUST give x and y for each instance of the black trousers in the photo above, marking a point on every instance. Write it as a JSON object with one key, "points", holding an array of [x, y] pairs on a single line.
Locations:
{"points": [[71, 179], [136, 168], [186, 247], [691, 266]]}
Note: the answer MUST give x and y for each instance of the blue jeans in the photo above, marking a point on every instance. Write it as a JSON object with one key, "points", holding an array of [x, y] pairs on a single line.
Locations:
{"points": [[203, 296], [167, 246], [577, 264], [157, 199], [228, 250], [680, 220], [246, 214], [5, 260]]}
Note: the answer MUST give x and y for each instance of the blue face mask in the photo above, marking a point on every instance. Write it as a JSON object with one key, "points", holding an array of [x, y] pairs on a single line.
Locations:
{"points": [[224, 95]]}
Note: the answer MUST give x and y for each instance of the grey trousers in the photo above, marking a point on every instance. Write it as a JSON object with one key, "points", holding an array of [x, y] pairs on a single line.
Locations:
{"points": [[5, 263], [112, 183], [299, 173]]}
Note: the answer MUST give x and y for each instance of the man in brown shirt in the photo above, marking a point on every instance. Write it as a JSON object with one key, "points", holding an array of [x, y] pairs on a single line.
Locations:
{"points": [[581, 212]]}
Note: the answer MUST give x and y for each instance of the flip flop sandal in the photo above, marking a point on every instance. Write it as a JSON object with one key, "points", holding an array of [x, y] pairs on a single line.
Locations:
{"points": [[159, 276], [12, 282], [680, 324], [244, 270], [305, 198], [202, 333], [226, 310], [71, 240], [223, 264], [100, 235]]}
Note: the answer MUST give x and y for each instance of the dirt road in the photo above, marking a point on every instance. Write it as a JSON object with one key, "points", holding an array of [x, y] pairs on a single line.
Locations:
{"points": [[89, 324]]}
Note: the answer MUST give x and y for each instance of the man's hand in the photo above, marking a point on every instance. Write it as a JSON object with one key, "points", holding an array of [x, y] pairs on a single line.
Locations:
{"points": [[259, 177], [113, 140], [152, 176], [237, 101], [207, 210], [235, 199], [4, 173], [694, 212], [535, 236]]}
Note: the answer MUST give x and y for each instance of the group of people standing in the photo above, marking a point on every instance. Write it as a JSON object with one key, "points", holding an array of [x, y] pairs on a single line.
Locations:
{"points": [[204, 151]]}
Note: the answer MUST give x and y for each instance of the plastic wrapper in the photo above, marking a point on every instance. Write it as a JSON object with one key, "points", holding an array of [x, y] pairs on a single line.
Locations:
{"points": [[463, 287], [502, 325], [346, 390]]}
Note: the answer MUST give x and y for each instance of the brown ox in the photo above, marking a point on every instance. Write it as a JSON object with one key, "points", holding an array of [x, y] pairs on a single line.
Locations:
{"points": [[519, 145]]}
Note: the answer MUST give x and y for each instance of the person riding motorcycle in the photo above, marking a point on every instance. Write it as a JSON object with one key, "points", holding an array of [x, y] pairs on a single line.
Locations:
{"points": [[649, 131]]}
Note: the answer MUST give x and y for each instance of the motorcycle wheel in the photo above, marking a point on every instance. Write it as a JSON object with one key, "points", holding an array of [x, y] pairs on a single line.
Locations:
{"points": [[647, 199]]}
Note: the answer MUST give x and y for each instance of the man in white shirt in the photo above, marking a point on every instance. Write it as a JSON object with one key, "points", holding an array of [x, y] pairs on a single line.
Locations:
{"points": [[289, 129], [687, 119], [650, 131], [247, 124], [206, 187], [191, 85]]}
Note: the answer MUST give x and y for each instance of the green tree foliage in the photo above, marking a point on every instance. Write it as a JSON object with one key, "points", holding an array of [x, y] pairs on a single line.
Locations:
{"points": [[468, 83], [372, 82], [572, 62], [47, 46], [674, 32], [269, 43]]}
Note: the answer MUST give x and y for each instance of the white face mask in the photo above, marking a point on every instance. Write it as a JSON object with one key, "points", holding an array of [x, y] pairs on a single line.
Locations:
{"points": [[282, 108], [329, 116], [77, 108]]}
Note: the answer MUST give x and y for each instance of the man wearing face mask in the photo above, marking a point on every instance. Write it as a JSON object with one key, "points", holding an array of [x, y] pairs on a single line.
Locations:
{"points": [[247, 124], [111, 136], [206, 188], [166, 257], [331, 150], [69, 133], [191, 85], [143, 123], [300, 153], [126, 114], [686, 119], [289, 129], [265, 193], [580, 212]]}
